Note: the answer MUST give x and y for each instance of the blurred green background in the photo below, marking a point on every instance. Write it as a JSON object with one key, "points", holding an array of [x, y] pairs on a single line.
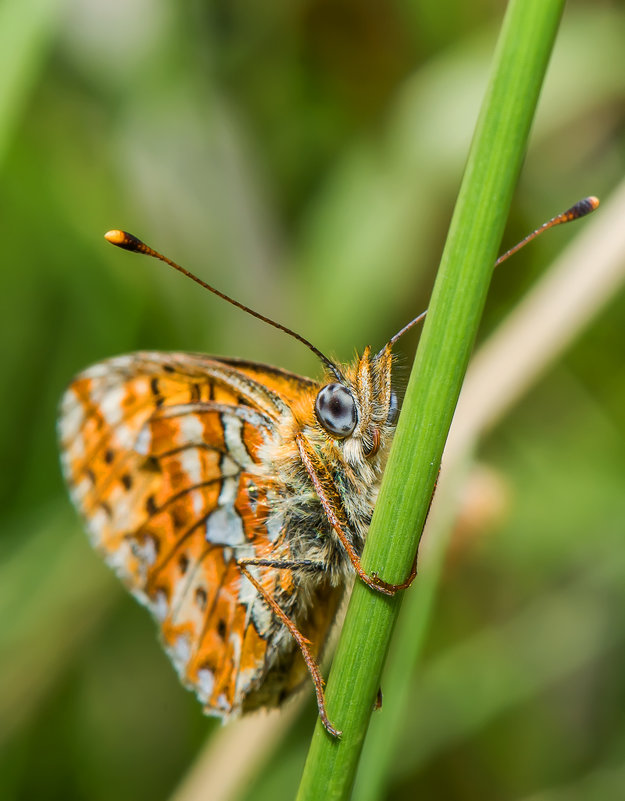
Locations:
{"points": [[303, 157]]}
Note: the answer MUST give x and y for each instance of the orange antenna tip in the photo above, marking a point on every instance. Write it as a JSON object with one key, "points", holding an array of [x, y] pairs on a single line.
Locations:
{"points": [[580, 209], [122, 239], [590, 204]]}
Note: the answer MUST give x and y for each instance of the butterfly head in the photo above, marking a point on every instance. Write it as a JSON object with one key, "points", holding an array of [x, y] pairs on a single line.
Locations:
{"points": [[360, 410]]}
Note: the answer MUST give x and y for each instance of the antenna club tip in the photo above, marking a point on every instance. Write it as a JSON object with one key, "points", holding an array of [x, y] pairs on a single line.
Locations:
{"points": [[122, 239], [585, 206]]}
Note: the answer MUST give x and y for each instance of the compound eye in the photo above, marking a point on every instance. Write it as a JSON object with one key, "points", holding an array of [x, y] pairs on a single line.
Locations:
{"points": [[336, 410], [393, 410]]}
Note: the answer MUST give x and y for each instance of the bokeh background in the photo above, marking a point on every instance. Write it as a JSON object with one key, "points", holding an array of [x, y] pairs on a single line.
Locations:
{"points": [[303, 157]]}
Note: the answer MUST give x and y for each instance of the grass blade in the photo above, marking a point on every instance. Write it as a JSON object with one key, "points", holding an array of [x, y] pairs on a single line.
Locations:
{"points": [[459, 294]]}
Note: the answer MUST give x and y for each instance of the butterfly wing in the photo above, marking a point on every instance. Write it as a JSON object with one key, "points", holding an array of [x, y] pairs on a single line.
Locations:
{"points": [[163, 455]]}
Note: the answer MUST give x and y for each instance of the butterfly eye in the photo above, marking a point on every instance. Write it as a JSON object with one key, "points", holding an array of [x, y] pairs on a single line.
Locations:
{"points": [[393, 410], [336, 410]]}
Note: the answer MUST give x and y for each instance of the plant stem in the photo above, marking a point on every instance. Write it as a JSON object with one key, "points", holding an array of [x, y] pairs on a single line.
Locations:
{"points": [[458, 298]]}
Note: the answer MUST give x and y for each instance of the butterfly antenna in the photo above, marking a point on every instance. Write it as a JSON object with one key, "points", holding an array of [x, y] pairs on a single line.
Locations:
{"points": [[580, 209], [126, 241]]}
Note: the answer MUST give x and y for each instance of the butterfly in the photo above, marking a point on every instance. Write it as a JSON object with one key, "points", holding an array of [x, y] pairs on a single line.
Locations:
{"points": [[233, 500]]}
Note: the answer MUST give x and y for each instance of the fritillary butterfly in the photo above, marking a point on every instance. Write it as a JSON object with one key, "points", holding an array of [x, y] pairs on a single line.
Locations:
{"points": [[233, 499]]}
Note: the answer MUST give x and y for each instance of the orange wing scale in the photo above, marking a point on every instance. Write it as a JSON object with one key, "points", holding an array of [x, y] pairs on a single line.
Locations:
{"points": [[161, 453]]}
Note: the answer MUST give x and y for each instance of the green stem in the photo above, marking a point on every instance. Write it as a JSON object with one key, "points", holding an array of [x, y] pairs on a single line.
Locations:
{"points": [[410, 635], [458, 298]]}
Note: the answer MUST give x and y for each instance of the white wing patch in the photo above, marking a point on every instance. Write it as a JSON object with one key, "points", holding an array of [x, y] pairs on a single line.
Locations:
{"points": [[234, 442], [224, 526]]}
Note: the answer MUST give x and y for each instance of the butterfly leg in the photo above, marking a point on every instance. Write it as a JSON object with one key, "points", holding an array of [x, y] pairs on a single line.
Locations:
{"points": [[299, 638], [373, 581], [413, 570], [330, 511], [391, 589]]}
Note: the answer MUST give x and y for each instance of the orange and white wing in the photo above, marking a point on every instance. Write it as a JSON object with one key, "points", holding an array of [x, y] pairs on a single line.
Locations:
{"points": [[162, 455]]}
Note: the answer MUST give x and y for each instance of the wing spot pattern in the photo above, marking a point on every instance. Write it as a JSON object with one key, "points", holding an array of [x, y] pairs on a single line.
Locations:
{"points": [[200, 598], [160, 605], [224, 526], [206, 683], [157, 537]]}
